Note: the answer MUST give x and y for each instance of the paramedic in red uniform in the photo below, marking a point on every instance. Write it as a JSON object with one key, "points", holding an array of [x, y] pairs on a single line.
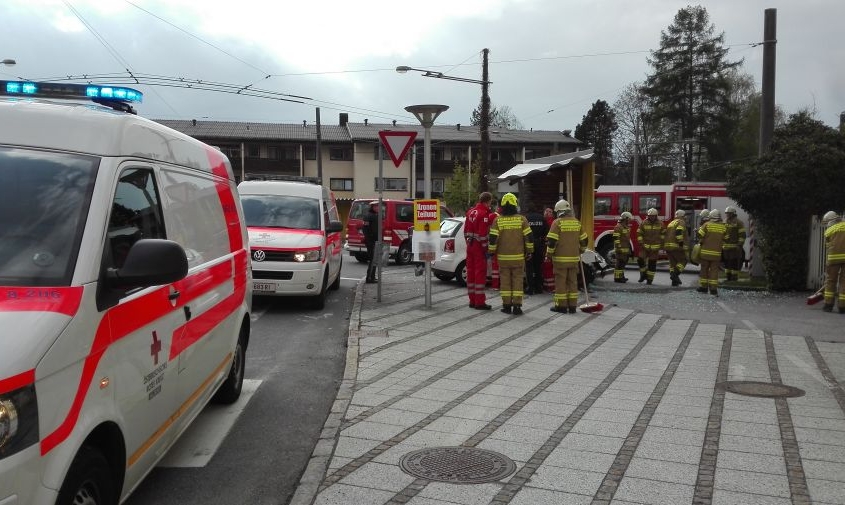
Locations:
{"points": [[476, 229]]}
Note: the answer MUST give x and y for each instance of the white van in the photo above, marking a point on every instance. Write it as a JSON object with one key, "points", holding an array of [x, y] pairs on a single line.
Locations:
{"points": [[294, 238], [125, 292]]}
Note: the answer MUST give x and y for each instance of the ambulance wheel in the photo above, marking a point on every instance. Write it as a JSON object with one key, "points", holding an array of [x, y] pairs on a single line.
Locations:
{"points": [[362, 257], [318, 302], [606, 250], [230, 390], [336, 284], [89, 481], [404, 255]]}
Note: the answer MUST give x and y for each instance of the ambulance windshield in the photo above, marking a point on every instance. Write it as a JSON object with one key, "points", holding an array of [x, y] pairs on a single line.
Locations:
{"points": [[281, 211], [44, 198]]}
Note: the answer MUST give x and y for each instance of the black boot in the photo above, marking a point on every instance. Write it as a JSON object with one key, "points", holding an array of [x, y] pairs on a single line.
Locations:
{"points": [[643, 276], [828, 308], [506, 309], [676, 281], [702, 289], [572, 310], [517, 310]]}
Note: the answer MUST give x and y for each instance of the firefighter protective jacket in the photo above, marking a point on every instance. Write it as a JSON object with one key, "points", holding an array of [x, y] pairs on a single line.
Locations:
{"points": [[712, 235], [622, 239], [566, 241], [676, 235], [477, 225], [650, 237], [834, 239], [736, 234], [511, 238]]}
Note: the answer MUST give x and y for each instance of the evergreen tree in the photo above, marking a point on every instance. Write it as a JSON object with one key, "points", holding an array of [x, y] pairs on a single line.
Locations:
{"points": [[459, 193], [803, 169], [690, 88], [596, 129]]}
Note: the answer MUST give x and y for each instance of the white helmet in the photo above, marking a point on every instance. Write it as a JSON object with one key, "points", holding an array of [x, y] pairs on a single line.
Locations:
{"points": [[562, 206], [626, 215], [680, 213], [715, 215], [651, 212], [704, 214], [830, 217], [730, 210]]}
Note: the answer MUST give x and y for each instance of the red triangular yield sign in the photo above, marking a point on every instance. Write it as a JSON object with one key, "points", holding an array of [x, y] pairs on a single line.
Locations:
{"points": [[397, 144]]}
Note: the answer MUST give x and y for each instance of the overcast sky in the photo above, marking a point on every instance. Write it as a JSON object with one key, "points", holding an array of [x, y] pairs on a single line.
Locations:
{"points": [[549, 59]]}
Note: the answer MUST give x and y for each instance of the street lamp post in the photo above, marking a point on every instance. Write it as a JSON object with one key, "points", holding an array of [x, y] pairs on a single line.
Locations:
{"points": [[485, 111], [426, 114]]}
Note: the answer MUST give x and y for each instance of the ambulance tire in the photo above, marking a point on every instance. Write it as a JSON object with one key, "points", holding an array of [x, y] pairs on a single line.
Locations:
{"points": [[318, 302], [404, 255], [89, 481], [336, 284], [461, 274], [230, 390], [362, 257], [607, 252]]}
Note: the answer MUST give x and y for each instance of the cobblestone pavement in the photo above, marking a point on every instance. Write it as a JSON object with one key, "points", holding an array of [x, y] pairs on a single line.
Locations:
{"points": [[619, 407]]}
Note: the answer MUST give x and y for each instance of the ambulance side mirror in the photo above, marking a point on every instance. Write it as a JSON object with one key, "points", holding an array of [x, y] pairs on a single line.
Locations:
{"points": [[150, 262], [334, 226]]}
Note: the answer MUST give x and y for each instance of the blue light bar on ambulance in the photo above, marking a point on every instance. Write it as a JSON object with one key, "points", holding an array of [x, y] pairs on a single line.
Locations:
{"points": [[64, 90]]}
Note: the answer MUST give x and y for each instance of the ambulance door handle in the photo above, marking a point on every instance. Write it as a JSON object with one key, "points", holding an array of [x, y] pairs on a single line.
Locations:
{"points": [[187, 313], [174, 295]]}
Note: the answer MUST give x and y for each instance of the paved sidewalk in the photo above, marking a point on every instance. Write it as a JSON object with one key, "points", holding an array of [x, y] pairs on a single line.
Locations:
{"points": [[618, 407]]}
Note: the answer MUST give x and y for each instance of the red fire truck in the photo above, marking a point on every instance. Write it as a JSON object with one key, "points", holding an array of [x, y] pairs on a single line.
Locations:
{"points": [[693, 197]]}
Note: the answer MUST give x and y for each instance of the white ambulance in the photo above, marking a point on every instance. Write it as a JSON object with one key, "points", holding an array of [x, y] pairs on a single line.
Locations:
{"points": [[294, 238], [125, 291]]}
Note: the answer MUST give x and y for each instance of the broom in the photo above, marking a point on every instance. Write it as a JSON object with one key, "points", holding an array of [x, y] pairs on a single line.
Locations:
{"points": [[816, 297], [588, 306]]}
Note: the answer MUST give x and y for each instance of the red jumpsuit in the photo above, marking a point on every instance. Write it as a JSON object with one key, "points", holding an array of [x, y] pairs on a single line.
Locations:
{"points": [[548, 267], [476, 229]]}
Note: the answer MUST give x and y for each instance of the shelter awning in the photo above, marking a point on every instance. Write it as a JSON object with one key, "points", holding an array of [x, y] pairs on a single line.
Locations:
{"points": [[543, 164]]}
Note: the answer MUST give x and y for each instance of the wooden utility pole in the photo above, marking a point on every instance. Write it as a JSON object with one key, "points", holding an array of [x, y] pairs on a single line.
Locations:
{"points": [[767, 104], [485, 124], [319, 154]]}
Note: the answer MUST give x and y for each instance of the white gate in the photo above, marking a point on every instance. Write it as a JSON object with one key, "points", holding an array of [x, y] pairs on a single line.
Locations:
{"points": [[815, 272]]}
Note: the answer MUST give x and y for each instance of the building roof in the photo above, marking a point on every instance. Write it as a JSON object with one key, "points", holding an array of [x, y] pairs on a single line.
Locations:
{"points": [[543, 164], [355, 132], [233, 130]]}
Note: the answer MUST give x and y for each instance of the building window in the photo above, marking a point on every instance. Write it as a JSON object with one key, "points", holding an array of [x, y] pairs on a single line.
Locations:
{"points": [[232, 152], [393, 184], [341, 184], [625, 203], [437, 155], [340, 154], [436, 186], [495, 155], [531, 154], [253, 151], [459, 154], [310, 152]]}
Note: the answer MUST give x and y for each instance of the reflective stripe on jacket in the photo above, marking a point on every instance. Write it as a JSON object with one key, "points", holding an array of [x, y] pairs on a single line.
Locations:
{"points": [[676, 235], [622, 239], [650, 235], [834, 240], [566, 240], [511, 238], [736, 234], [712, 235]]}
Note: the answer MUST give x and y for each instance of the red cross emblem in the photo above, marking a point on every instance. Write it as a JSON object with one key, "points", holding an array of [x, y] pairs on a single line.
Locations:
{"points": [[155, 348]]}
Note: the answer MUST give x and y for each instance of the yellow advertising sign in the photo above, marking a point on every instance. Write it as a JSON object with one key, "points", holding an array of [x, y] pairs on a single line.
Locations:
{"points": [[426, 215]]}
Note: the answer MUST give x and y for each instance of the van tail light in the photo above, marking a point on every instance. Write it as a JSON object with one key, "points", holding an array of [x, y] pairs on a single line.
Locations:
{"points": [[449, 246]]}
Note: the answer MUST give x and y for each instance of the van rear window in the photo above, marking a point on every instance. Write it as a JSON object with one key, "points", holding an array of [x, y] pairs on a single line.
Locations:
{"points": [[44, 200], [281, 211]]}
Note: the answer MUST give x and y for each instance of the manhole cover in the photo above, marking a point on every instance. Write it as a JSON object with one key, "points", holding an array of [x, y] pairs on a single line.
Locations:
{"points": [[761, 389], [457, 465]]}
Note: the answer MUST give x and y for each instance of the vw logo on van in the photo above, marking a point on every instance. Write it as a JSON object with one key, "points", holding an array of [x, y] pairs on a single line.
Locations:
{"points": [[259, 255]]}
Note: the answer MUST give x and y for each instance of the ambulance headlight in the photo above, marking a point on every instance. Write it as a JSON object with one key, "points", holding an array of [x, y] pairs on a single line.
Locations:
{"points": [[18, 420], [307, 256]]}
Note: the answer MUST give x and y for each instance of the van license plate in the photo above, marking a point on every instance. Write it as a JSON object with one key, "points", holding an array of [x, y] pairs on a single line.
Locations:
{"points": [[264, 287]]}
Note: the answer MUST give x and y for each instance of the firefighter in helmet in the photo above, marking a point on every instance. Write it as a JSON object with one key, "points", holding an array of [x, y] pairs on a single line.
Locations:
{"points": [[565, 243], [650, 236], [711, 235], [512, 242], [676, 246], [732, 248], [622, 246], [834, 240]]}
